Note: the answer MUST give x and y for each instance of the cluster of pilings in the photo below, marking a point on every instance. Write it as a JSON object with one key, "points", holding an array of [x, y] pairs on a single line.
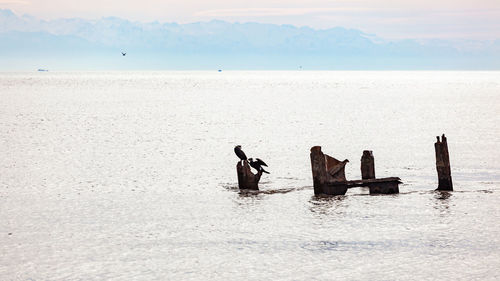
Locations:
{"points": [[325, 171], [329, 173]]}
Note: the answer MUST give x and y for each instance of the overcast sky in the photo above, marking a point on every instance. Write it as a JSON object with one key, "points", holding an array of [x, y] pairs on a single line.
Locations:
{"points": [[475, 19]]}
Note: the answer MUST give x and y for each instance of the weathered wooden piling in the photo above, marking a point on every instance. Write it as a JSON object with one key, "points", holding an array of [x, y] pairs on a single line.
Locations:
{"points": [[443, 164], [247, 179], [318, 170], [367, 165], [328, 173]]}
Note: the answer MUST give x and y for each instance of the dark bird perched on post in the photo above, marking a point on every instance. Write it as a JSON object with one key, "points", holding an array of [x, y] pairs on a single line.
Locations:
{"points": [[257, 165], [240, 153]]}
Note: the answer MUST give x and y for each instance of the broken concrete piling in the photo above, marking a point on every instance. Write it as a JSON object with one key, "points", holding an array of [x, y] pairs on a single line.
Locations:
{"points": [[443, 164]]}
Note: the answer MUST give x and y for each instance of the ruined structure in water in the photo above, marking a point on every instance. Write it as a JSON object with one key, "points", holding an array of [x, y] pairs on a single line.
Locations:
{"points": [[329, 175]]}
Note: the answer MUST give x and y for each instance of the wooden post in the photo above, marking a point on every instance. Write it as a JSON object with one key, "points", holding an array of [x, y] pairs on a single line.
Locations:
{"points": [[318, 167], [328, 173], [367, 165], [247, 179], [443, 164]]}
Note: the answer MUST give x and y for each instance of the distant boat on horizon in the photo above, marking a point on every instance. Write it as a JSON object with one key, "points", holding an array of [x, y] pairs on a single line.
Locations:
{"points": [[43, 70]]}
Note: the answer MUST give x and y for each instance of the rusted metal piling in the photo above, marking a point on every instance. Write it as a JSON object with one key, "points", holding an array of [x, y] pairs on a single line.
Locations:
{"points": [[367, 165], [247, 179], [443, 164]]}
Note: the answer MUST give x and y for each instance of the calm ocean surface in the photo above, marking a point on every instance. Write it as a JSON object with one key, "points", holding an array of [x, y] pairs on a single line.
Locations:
{"points": [[131, 175]]}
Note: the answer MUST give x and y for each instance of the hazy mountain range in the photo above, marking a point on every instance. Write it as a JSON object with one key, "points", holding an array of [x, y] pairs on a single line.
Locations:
{"points": [[27, 42]]}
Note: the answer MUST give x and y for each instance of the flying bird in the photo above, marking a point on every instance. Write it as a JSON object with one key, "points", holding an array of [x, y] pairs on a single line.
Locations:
{"points": [[123, 54], [257, 165], [240, 153]]}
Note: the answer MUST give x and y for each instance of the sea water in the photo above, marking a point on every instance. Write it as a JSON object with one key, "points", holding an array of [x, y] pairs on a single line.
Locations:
{"points": [[132, 175]]}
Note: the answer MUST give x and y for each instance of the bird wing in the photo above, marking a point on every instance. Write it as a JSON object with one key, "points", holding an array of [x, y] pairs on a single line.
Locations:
{"points": [[254, 165], [262, 163], [264, 171]]}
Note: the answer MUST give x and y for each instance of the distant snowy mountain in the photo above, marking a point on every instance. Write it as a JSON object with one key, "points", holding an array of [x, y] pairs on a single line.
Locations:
{"points": [[223, 43]]}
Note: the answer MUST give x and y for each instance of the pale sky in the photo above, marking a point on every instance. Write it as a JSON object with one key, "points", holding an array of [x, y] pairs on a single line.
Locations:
{"points": [[474, 19]]}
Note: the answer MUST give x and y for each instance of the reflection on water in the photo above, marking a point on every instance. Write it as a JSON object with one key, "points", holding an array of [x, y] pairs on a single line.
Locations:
{"points": [[328, 205], [442, 202], [250, 192], [248, 198], [247, 195], [443, 195]]}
